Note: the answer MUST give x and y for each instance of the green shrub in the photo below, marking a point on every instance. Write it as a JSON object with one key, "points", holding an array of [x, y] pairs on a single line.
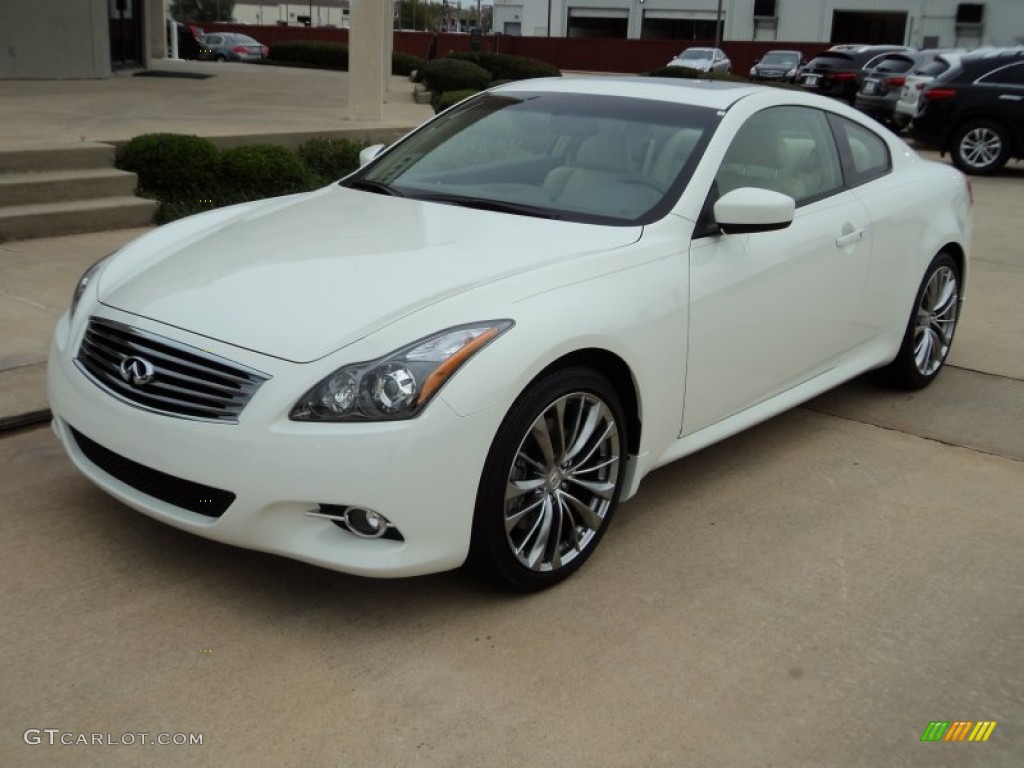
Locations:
{"points": [[404, 64], [503, 66], [262, 170], [171, 165], [311, 53], [329, 159], [441, 75], [441, 101]]}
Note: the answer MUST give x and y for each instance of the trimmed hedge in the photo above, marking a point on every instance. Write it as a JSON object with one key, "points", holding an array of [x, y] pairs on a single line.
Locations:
{"points": [[330, 159], [312, 53], [441, 101], [263, 170], [323, 55], [507, 67], [441, 75], [189, 175], [404, 64], [171, 164]]}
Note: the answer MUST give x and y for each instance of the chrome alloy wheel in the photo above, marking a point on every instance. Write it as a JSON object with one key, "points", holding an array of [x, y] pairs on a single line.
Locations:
{"points": [[562, 482], [980, 147], [936, 320]]}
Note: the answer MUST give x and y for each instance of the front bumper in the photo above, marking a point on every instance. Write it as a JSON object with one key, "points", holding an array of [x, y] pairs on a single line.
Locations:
{"points": [[422, 474]]}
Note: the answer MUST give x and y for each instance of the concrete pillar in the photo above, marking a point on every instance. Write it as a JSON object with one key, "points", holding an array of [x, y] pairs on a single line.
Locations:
{"points": [[369, 58]]}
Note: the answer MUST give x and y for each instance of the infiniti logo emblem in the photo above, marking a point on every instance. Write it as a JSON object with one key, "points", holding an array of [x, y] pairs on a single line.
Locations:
{"points": [[136, 371]]}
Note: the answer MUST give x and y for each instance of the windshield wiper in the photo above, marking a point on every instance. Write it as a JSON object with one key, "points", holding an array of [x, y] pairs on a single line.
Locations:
{"points": [[486, 204], [374, 186]]}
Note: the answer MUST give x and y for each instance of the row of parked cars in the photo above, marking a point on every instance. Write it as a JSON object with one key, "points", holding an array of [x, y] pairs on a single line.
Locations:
{"points": [[967, 103]]}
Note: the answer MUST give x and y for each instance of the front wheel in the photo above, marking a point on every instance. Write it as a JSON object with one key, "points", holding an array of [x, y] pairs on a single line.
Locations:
{"points": [[980, 147], [929, 332], [551, 481]]}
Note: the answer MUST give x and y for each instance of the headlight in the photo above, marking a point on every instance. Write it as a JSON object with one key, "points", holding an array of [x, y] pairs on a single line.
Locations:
{"points": [[753, 72], [398, 385], [83, 282], [792, 73]]}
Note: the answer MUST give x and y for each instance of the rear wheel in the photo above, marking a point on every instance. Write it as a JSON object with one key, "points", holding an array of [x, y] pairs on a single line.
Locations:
{"points": [[980, 147], [929, 333], [551, 481]]}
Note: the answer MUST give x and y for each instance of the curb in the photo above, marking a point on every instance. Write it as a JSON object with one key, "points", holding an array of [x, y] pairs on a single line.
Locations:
{"points": [[22, 420]]}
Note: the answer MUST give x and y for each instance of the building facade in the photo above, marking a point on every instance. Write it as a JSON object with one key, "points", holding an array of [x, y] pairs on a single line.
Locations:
{"points": [[319, 13], [918, 23], [49, 39]]}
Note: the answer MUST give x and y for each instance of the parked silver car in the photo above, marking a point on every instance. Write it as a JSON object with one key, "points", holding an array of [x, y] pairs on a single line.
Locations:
{"points": [[230, 46], [703, 60]]}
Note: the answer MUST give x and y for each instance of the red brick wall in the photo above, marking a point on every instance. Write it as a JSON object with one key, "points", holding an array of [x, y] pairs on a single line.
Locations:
{"points": [[585, 54]]}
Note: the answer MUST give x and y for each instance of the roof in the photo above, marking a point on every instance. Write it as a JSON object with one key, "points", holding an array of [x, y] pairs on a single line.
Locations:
{"points": [[714, 94]]}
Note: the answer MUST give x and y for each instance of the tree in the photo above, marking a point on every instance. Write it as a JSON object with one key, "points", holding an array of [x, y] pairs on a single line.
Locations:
{"points": [[202, 10]]}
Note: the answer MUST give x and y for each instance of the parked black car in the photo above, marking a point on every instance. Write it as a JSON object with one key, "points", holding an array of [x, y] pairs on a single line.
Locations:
{"points": [[883, 83], [838, 72], [778, 66], [975, 111]]}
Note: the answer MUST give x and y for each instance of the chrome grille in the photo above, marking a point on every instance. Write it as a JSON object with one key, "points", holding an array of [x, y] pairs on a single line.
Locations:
{"points": [[187, 382]]}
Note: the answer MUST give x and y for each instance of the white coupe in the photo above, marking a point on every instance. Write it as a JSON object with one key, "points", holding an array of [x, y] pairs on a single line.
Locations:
{"points": [[474, 347]]}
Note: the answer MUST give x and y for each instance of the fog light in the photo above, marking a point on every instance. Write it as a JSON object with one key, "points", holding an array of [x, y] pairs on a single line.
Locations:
{"points": [[365, 522]]}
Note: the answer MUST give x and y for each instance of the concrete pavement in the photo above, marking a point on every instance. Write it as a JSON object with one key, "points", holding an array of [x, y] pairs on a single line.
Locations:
{"points": [[233, 100]]}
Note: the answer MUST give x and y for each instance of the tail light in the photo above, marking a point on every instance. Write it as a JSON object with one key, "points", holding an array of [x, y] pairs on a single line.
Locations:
{"points": [[938, 94], [844, 76], [894, 81], [240, 49]]}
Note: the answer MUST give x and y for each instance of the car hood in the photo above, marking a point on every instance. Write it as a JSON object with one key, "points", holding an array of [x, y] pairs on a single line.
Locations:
{"points": [[300, 277]]}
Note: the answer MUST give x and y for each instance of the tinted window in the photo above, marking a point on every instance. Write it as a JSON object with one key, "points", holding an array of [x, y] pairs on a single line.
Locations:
{"points": [[831, 61], [894, 64], [1011, 75], [932, 68], [865, 155], [784, 149]]}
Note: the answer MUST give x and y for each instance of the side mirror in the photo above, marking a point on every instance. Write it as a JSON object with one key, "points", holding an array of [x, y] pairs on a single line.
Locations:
{"points": [[751, 209], [369, 153]]}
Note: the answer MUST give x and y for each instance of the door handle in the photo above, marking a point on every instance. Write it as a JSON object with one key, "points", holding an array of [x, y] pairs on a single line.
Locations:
{"points": [[849, 236]]}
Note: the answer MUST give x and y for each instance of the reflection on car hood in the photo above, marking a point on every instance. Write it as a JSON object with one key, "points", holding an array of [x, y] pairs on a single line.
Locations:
{"points": [[300, 277]]}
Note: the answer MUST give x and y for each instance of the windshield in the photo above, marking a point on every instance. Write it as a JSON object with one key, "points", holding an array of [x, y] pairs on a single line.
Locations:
{"points": [[695, 54], [780, 59], [576, 157]]}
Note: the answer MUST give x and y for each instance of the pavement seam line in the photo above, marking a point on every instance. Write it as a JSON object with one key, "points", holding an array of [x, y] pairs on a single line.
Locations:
{"points": [[35, 304], [986, 373], [938, 440]]}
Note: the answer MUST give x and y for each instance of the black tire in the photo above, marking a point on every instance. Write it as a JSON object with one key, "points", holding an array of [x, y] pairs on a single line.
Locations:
{"points": [[929, 334], [582, 416], [980, 147], [220, 57]]}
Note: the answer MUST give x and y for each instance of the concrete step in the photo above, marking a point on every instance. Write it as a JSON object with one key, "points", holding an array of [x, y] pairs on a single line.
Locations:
{"points": [[55, 156], [28, 188], [19, 222]]}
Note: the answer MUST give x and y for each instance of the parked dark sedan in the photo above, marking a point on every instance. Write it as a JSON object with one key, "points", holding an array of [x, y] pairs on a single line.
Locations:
{"points": [[778, 66], [230, 46], [975, 111], [838, 72]]}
